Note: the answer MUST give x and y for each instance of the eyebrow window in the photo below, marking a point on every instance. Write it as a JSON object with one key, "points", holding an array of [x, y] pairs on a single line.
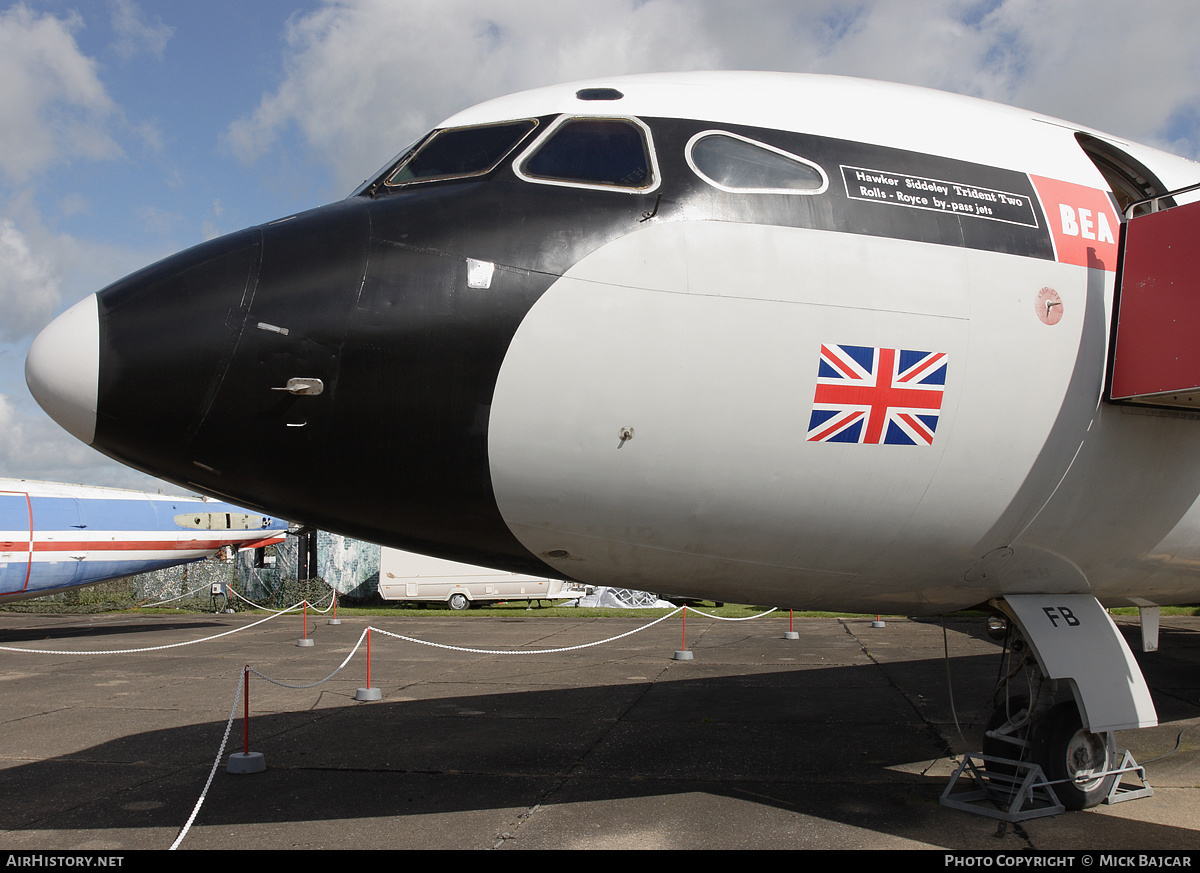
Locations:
{"points": [[460, 152], [607, 152], [736, 164]]}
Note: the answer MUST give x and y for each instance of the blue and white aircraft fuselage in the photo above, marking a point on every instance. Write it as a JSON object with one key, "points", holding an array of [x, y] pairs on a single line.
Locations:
{"points": [[55, 537]]}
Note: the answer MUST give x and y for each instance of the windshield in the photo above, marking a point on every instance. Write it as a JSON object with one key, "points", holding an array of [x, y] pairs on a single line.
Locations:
{"points": [[596, 152], [458, 152]]}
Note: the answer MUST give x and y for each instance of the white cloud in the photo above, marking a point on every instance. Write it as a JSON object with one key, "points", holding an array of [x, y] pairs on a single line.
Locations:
{"points": [[150, 134], [161, 222], [1126, 71], [362, 78], [1093, 62], [72, 203], [34, 447], [365, 77], [52, 106], [134, 33], [42, 270], [29, 284]]}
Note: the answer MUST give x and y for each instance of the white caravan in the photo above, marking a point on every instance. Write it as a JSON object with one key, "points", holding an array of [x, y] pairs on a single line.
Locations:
{"points": [[420, 578]]}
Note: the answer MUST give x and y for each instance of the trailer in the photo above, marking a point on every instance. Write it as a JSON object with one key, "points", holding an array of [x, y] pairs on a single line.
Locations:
{"points": [[422, 579]]}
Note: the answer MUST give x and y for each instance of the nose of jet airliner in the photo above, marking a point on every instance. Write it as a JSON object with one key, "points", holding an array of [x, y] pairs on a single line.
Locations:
{"points": [[125, 369], [63, 366], [187, 368], [335, 367]]}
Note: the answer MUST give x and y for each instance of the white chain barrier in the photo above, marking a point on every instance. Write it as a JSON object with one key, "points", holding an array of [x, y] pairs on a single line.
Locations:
{"points": [[339, 669], [530, 651], [213, 772], [242, 598], [314, 608], [299, 606], [235, 630], [171, 599], [467, 649], [254, 605], [731, 617], [275, 614]]}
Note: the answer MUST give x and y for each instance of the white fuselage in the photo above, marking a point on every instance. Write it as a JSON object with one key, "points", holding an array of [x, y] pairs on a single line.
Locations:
{"points": [[704, 338], [871, 377]]}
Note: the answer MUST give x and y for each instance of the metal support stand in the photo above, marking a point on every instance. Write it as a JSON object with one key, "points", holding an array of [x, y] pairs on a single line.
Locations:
{"points": [[1024, 795], [1120, 791], [1027, 793]]}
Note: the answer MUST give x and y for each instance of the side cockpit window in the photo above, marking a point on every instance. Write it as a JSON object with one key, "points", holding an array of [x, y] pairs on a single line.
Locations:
{"points": [[460, 152], [739, 165], [605, 153]]}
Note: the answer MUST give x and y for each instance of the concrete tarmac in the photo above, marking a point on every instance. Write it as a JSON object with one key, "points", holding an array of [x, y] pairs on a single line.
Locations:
{"points": [[844, 738]]}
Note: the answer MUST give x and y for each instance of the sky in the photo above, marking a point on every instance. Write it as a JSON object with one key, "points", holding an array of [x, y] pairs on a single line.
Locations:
{"points": [[131, 129]]}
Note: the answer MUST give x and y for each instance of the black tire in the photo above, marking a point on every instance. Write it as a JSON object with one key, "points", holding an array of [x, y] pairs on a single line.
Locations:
{"points": [[997, 748], [1066, 750], [459, 601]]}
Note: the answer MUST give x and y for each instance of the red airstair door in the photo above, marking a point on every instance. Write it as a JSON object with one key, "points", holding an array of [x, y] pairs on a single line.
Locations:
{"points": [[1156, 351]]}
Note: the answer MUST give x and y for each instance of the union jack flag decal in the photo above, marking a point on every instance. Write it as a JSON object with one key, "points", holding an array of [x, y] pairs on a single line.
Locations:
{"points": [[870, 395]]}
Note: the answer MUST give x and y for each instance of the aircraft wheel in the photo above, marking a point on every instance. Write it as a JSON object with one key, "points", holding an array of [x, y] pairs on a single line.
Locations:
{"points": [[1065, 749], [459, 601]]}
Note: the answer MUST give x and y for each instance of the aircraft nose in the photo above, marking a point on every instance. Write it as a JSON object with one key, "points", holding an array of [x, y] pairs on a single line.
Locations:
{"points": [[334, 367], [63, 366], [194, 361]]}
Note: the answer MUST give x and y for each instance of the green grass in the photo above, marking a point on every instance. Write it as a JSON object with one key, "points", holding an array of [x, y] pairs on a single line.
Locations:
{"points": [[103, 600], [1164, 610], [517, 610], [521, 610]]}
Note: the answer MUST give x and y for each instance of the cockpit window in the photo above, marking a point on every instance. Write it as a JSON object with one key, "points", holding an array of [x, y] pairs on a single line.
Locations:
{"points": [[461, 151], [737, 164], [593, 153]]}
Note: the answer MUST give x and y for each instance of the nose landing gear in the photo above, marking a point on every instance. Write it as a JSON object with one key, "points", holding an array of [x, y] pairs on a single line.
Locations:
{"points": [[1040, 756], [1079, 764]]}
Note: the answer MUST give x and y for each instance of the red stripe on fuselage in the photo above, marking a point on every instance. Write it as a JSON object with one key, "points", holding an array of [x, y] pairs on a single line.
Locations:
{"points": [[127, 545]]}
